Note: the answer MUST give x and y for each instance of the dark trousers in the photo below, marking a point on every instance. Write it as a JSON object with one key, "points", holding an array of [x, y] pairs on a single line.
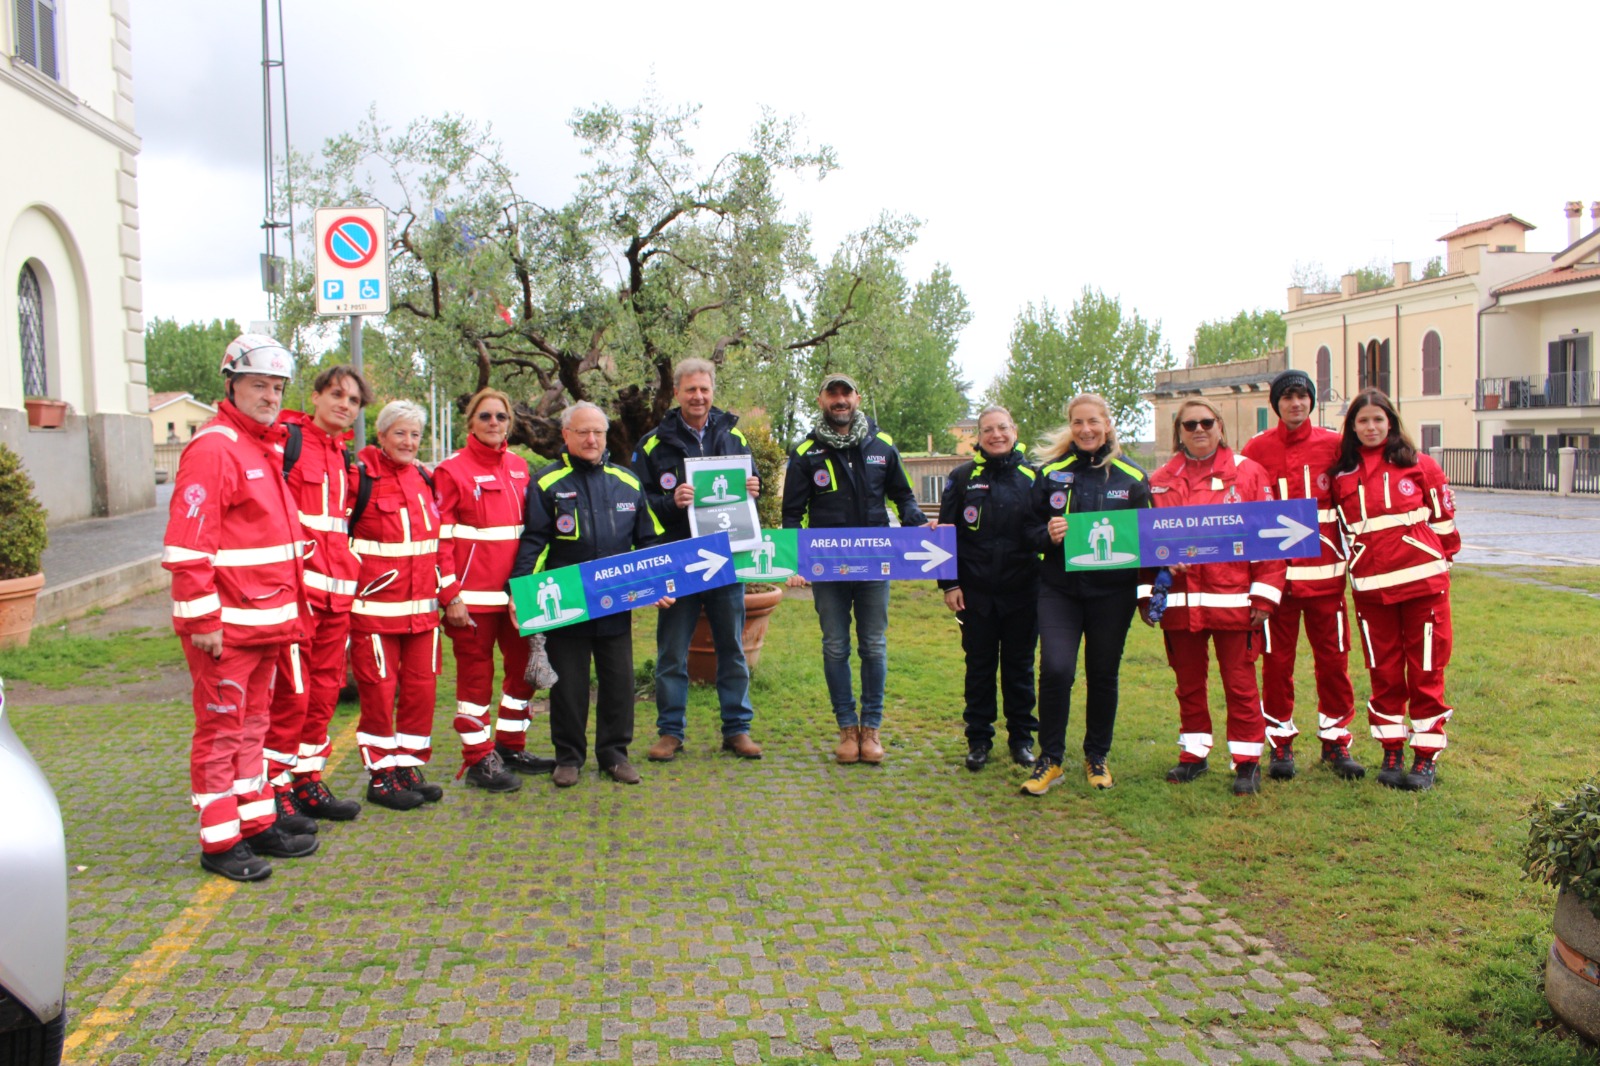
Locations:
{"points": [[570, 654], [1101, 623], [1002, 638]]}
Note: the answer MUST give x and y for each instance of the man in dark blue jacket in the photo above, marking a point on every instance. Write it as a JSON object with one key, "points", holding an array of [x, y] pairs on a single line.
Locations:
{"points": [[695, 429], [841, 476]]}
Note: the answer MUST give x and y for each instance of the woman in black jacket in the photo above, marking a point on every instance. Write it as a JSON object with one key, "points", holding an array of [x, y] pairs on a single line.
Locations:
{"points": [[989, 501], [1083, 473]]}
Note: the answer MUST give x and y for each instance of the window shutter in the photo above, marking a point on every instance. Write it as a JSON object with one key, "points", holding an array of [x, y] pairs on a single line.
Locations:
{"points": [[1383, 369], [26, 39], [47, 38]]}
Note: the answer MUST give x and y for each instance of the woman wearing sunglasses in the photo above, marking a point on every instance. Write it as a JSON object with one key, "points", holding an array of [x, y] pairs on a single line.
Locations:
{"points": [[481, 492], [1224, 603]]}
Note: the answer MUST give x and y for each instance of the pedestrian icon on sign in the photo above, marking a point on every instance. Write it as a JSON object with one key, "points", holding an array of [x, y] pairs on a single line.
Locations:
{"points": [[368, 288], [333, 290]]}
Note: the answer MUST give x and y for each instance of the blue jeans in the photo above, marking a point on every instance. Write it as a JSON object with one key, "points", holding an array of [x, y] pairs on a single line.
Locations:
{"points": [[834, 600], [724, 609]]}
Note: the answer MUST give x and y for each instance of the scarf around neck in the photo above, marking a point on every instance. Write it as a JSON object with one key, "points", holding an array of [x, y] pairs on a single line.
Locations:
{"points": [[848, 439]]}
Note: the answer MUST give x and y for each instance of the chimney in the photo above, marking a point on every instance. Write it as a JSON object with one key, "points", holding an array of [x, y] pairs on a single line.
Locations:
{"points": [[1574, 225], [1347, 285], [1402, 274], [1594, 216]]}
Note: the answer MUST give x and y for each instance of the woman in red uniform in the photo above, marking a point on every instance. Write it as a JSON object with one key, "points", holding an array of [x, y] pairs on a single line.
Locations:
{"points": [[481, 489], [394, 621], [1224, 603], [1400, 515]]}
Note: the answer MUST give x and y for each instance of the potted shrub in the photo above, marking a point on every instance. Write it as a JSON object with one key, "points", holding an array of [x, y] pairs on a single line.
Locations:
{"points": [[22, 542], [1563, 850], [760, 599]]}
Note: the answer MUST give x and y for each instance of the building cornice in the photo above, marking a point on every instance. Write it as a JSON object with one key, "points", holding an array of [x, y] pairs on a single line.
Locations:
{"points": [[1380, 299], [1550, 292], [25, 79]]}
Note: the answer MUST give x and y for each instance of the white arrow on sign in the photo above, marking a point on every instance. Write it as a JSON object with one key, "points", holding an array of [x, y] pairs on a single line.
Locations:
{"points": [[710, 562], [1291, 531], [931, 559]]}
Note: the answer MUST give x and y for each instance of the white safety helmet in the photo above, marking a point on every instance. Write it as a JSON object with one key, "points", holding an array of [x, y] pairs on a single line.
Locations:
{"points": [[256, 353]]}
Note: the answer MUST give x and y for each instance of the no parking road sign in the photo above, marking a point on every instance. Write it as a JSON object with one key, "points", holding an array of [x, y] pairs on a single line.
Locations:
{"points": [[352, 269]]}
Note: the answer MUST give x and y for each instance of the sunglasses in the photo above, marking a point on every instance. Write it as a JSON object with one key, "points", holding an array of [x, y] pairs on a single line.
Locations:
{"points": [[1193, 424], [493, 416]]}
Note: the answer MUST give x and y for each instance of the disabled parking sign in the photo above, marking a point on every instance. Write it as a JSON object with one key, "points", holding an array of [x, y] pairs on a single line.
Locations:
{"points": [[352, 261]]}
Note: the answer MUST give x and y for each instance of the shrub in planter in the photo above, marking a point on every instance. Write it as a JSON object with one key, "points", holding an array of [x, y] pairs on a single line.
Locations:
{"points": [[22, 543], [1563, 841]]}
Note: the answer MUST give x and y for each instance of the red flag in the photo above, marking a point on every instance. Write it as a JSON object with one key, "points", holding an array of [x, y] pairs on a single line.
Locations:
{"points": [[504, 314]]}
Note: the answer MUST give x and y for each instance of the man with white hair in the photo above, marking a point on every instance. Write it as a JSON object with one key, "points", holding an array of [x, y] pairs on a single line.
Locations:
{"points": [[580, 509]]}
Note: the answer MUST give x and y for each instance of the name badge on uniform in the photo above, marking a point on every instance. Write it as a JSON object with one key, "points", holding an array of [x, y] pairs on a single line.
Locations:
{"points": [[254, 475]]}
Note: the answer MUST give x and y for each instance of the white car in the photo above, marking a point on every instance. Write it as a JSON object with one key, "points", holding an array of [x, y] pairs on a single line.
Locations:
{"points": [[33, 901]]}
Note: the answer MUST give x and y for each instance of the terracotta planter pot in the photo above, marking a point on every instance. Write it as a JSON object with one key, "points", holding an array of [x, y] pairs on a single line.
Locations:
{"points": [[758, 608], [1572, 971], [46, 414], [18, 597]]}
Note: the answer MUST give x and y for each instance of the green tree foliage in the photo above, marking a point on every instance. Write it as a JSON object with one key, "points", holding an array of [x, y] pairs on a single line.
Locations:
{"points": [[1434, 269], [22, 520], [1246, 335], [1372, 277], [187, 358], [1094, 347], [1312, 278]]}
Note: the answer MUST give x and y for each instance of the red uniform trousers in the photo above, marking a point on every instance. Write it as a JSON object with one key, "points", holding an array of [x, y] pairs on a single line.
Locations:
{"points": [[1408, 646], [227, 774], [310, 675], [474, 649], [1327, 631], [1236, 655], [391, 666]]}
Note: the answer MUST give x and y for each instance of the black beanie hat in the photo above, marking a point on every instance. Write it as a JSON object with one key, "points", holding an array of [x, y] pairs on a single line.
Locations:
{"points": [[1290, 379]]}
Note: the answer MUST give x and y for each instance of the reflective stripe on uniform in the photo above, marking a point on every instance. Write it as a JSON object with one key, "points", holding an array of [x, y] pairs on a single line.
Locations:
{"points": [[1445, 528], [1389, 521], [1327, 514], [1244, 749], [1421, 572], [215, 834], [1384, 726], [324, 583], [1195, 743], [269, 616], [512, 725], [196, 608], [249, 812], [324, 523], [1207, 599], [388, 550], [400, 609], [511, 703], [483, 599], [466, 532], [299, 686], [224, 430], [277, 553], [173, 554], [1262, 590], [1315, 573]]}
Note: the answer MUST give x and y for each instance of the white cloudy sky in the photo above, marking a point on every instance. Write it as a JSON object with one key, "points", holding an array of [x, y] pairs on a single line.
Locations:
{"points": [[1183, 156]]}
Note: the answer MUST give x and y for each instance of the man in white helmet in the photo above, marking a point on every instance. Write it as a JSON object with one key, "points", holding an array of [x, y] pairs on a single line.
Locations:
{"points": [[233, 547]]}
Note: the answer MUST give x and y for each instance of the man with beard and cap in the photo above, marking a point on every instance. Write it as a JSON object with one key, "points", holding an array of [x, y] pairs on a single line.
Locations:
{"points": [[841, 476], [1297, 456]]}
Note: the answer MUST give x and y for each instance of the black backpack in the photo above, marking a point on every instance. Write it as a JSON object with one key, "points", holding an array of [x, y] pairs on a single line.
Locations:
{"points": [[364, 490]]}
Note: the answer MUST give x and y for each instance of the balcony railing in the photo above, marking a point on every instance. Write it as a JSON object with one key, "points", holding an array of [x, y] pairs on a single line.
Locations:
{"points": [[1570, 389]]}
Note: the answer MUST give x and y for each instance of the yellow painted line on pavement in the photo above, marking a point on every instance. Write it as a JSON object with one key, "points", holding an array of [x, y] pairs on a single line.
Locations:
{"points": [[180, 935]]}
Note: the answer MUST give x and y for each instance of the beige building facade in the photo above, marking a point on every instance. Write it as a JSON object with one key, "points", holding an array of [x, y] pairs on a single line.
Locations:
{"points": [[177, 416], [1238, 390]]}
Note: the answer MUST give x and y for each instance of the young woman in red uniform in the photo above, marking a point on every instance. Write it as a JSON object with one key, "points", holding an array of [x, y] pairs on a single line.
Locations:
{"points": [[1223, 604], [1400, 515], [481, 489], [394, 620]]}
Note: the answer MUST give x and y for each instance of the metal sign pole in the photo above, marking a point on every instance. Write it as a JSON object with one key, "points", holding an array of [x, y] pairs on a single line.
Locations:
{"points": [[355, 361]]}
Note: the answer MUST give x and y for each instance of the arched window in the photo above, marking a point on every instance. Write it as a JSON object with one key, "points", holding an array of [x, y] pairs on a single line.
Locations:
{"points": [[1432, 360], [1324, 373], [30, 325], [1374, 360]]}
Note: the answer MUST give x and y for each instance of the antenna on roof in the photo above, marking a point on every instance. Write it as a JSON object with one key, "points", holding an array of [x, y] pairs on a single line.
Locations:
{"points": [[274, 129]]}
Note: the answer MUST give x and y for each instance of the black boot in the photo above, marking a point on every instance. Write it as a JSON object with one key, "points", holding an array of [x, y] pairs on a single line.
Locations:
{"points": [[1420, 779], [238, 863], [290, 818], [313, 798], [491, 775], [1185, 772], [410, 777], [1022, 751], [1392, 774], [977, 756], [1247, 779], [1281, 766], [385, 791], [523, 762], [274, 841], [1337, 757]]}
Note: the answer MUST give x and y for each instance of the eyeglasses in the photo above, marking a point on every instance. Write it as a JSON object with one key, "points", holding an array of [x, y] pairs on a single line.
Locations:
{"points": [[1193, 424], [493, 416]]}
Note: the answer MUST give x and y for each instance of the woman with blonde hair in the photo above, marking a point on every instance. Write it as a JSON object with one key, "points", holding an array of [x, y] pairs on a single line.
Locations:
{"points": [[1223, 603], [1082, 474]]}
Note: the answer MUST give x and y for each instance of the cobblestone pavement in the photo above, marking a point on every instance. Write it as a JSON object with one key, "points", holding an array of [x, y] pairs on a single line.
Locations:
{"points": [[79, 549], [1528, 529], [789, 909]]}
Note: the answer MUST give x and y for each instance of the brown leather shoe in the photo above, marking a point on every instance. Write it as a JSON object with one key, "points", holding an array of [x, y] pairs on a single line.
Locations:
{"points": [[665, 749], [849, 747], [871, 749], [741, 745], [565, 776], [623, 773]]}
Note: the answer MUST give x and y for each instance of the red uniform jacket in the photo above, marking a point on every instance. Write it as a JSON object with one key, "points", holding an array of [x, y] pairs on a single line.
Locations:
{"points": [[1215, 595], [1298, 462], [232, 541], [481, 493], [320, 484], [403, 572], [1402, 526]]}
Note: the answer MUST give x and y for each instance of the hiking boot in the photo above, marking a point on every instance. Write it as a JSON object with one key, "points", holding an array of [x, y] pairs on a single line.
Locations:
{"points": [[385, 791], [848, 749], [1281, 766], [313, 798], [665, 749], [1022, 752], [1247, 779], [238, 863], [1185, 772], [977, 756], [491, 775], [871, 747], [289, 819], [622, 772], [1420, 779], [410, 777], [1337, 756], [741, 745], [1097, 773], [523, 762], [1047, 774], [1392, 774], [565, 776], [274, 841]]}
